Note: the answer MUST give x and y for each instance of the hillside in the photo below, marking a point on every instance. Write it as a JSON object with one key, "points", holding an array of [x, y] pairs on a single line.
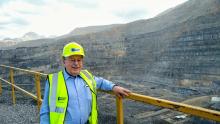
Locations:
{"points": [[153, 41], [175, 55]]}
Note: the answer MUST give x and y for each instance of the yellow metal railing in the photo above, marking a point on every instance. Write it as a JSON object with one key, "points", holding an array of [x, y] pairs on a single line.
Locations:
{"points": [[13, 86], [189, 109]]}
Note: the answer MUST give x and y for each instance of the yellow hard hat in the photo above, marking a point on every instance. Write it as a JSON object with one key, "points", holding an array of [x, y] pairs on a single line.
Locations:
{"points": [[73, 48]]}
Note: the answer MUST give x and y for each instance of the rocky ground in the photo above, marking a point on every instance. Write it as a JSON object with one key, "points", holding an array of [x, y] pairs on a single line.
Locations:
{"points": [[23, 112]]}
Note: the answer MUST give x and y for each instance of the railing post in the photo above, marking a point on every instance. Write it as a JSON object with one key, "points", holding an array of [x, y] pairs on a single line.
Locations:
{"points": [[0, 87], [38, 89], [120, 114], [12, 87]]}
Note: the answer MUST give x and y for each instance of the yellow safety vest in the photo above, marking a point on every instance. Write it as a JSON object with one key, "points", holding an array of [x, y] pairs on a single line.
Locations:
{"points": [[58, 97]]}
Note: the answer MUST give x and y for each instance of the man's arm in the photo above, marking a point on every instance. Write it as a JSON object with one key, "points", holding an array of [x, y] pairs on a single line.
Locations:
{"points": [[44, 112], [108, 85]]}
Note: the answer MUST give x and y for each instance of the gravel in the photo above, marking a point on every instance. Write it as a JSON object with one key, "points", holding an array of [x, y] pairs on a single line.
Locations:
{"points": [[23, 112]]}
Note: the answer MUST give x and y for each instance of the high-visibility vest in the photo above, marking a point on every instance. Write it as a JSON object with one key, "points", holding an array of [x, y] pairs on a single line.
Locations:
{"points": [[58, 97]]}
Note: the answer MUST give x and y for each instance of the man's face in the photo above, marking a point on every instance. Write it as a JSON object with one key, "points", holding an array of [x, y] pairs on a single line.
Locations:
{"points": [[73, 64]]}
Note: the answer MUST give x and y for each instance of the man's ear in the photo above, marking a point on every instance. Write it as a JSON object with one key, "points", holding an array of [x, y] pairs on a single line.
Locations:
{"points": [[62, 60]]}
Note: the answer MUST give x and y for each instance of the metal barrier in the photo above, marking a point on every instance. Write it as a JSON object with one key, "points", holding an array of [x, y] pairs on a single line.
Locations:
{"points": [[189, 109], [13, 86]]}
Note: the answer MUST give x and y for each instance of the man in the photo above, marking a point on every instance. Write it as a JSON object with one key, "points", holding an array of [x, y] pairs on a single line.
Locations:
{"points": [[70, 94]]}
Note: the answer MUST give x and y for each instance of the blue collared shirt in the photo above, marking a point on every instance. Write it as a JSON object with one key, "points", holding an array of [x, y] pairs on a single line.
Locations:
{"points": [[79, 104]]}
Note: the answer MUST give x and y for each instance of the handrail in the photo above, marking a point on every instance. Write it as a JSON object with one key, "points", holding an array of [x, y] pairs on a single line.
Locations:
{"points": [[24, 70], [37, 83], [185, 108], [189, 109], [22, 90]]}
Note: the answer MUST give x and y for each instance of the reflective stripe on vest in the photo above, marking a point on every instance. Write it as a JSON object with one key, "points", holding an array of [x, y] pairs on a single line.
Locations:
{"points": [[58, 97], [54, 93], [90, 77]]}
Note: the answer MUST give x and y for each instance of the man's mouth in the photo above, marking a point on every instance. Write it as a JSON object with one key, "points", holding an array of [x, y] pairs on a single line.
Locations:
{"points": [[75, 67]]}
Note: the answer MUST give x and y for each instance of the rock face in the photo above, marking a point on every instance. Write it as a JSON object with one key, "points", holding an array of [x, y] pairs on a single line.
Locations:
{"points": [[180, 47]]}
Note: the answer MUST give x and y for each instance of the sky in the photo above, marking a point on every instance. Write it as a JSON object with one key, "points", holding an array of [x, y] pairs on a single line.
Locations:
{"points": [[59, 17]]}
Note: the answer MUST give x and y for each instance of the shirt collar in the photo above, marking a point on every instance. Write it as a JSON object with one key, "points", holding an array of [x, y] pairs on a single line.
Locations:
{"points": [[67, 75]]}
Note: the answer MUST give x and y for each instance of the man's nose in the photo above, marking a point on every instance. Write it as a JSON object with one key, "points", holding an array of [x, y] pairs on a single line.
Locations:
{"points": [[75, 62]]}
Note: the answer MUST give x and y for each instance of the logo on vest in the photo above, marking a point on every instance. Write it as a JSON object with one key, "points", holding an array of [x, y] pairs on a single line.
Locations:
{"points": [[61, 99]]}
